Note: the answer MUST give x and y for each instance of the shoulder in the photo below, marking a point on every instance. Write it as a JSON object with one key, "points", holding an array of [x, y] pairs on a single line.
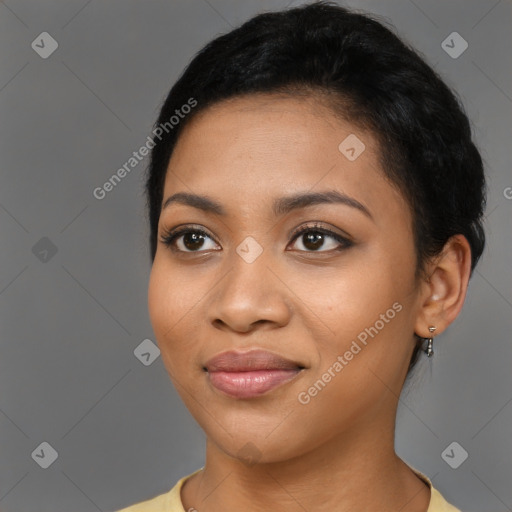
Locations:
{"points": [[439, 504], [437, 501], [167, 502]]}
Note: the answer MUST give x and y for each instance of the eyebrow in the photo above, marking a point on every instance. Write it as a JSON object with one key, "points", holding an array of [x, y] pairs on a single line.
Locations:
{"points": [[281, 206]]}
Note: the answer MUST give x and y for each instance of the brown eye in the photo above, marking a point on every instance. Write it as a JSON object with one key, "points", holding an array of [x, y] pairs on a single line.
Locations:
{"points": [[315, 239], [188, 240], [193, 241]]}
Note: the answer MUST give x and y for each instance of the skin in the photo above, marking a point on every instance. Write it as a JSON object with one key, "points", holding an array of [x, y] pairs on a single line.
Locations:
{"points": [[302, 304]]}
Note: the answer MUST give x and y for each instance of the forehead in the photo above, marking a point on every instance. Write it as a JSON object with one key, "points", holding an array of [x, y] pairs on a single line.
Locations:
{"points": [[271, 119], [260, 146]]}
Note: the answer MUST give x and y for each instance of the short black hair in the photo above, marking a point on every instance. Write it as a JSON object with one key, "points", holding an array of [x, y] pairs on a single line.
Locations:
{"points": [[371, 78]]}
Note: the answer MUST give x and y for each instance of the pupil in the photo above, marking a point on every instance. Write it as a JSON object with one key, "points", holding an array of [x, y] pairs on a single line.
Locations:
{"points": [[313, 239], [193, 240]]}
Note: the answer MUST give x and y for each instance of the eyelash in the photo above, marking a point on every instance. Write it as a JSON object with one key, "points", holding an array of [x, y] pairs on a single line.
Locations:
{"points": [[344, 242], [170, 236]]}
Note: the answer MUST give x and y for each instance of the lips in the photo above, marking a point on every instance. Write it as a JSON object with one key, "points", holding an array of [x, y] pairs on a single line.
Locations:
{"points": [[250, 374], [253, 360]]}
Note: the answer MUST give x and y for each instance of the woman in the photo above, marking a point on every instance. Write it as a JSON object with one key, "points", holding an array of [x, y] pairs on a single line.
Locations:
{"points": [[315, 204]]}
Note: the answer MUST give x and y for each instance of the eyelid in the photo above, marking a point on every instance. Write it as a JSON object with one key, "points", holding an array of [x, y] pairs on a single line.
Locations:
{"points": [[322, 227], [185, 227]]}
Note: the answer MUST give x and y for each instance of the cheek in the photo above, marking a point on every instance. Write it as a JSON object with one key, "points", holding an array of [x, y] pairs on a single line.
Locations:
{"points": [[361, 310], [159, 297], [348, 298], [169, 303]]}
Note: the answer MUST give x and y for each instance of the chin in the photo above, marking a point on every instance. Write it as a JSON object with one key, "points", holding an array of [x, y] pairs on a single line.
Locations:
{"points": [[253, 446]]}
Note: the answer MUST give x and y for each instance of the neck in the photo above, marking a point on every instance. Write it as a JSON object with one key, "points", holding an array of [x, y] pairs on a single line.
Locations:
{"points": [[357, 470]]}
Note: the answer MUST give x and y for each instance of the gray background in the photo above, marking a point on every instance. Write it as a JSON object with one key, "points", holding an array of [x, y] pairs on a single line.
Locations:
{"points": [[70, 321]]}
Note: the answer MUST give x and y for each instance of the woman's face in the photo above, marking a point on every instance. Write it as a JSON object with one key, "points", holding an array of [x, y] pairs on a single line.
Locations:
{"points": [[338, 301]]}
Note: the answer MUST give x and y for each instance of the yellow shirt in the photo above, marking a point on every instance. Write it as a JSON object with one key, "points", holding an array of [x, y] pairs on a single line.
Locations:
{"points": [[171, 500]]}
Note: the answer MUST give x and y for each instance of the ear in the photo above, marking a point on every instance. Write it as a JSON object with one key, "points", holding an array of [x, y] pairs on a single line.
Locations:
{"points": [[444, 291]]}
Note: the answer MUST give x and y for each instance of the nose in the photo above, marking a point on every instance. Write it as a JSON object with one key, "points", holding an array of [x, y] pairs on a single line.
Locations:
{"points": [[250, 296]]}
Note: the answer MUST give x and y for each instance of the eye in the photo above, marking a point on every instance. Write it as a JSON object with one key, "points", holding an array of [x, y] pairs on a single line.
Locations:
{"points": [[313, 238], [187, 239]]}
